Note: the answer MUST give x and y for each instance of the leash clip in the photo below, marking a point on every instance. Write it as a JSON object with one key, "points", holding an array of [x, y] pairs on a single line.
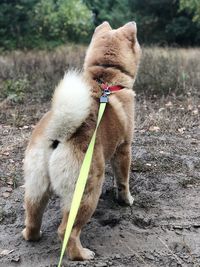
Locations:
{"points": [[106, 91], [104, 99], [105, 94]]}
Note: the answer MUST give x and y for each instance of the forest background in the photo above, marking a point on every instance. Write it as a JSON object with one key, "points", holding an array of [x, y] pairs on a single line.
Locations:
{"points": [[26, 24]]}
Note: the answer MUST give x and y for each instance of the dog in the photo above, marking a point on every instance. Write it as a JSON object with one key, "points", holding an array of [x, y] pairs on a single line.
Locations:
{"points": [[59, 141]]}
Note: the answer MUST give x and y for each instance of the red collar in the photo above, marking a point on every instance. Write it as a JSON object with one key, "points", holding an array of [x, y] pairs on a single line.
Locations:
{"points": [[107, 90], [111, 88]]}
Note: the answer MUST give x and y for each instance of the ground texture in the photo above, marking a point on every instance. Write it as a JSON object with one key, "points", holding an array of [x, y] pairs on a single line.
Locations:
{"points": [[162, 228]]}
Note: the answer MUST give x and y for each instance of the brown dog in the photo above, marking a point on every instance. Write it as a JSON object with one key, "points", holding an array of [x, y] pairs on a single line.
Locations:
{"points": [[60, 140]]}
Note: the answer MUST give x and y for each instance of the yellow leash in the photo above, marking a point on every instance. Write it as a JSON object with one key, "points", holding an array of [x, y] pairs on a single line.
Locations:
{"points": [[81, 182]]}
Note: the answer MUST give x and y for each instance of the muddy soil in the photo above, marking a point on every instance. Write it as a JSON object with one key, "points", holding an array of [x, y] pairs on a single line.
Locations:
{"points": [[162, 228]]}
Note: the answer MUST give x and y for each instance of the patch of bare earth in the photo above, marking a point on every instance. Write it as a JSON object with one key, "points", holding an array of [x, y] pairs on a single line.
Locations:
{"points": [[162, 228]]}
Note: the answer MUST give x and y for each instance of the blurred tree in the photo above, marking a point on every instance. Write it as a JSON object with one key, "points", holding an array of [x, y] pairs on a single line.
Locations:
{"points": [[193, 6], [114, 11], [62, 20], [159, 22], [31, 23], [41, 23], [15, 24]]}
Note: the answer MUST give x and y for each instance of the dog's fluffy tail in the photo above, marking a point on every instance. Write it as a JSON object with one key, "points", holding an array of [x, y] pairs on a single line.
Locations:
{"points": [[70, 106]]}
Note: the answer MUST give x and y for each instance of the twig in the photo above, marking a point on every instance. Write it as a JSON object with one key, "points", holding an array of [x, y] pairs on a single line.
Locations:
{"points": [[134, 252], [179, 260]]}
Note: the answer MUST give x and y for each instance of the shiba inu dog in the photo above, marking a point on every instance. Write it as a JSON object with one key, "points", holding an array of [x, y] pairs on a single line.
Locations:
{"points": [[59, 141]]}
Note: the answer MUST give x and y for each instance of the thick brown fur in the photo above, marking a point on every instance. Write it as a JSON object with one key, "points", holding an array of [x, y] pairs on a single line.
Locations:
{"points": [[113, 57]]}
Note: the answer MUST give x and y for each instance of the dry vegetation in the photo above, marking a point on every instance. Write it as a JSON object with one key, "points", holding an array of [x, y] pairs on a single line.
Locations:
{"points": [[36, 72], [168, 83], [163, 71], [167, 71]]}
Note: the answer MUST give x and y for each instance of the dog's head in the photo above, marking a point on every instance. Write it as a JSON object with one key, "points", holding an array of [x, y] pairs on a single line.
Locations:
{"points": [[114, 50]]}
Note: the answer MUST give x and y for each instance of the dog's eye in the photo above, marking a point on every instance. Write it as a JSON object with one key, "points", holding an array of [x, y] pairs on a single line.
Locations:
{"points": [[54, 144]]}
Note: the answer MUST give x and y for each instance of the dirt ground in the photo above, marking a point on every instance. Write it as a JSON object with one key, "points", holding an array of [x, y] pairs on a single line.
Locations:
{"points": [[162, 228]]}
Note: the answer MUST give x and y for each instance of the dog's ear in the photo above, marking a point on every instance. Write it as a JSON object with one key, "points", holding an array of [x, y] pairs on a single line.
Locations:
{"points": [[104, 27], [130, 31]]}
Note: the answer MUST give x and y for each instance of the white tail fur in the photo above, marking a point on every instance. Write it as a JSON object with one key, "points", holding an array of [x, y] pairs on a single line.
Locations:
{"points": [[70, 106]]}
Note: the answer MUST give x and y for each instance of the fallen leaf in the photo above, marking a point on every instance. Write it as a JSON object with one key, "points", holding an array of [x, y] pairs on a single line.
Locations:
{"points": [[181, 130], [190, 107], [154, 129], [169, 104], [6, 153], [195, 112], [6, 194], [6, 252], [142, 131], [9, 189], [161, 109], [10, 182]]}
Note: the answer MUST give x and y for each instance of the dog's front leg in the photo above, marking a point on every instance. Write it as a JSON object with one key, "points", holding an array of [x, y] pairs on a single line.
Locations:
{"points": [[121, 167]]}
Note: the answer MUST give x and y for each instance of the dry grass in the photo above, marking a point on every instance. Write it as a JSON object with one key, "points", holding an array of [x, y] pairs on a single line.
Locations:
{"points": [[36, 72], [165, 71], [168, 85], [162, 71]]}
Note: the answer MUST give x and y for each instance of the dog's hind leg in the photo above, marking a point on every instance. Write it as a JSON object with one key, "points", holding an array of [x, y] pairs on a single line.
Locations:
{"points": [[87, 207], [75, 250], [36, 192], [34, 213], [121, 165]]}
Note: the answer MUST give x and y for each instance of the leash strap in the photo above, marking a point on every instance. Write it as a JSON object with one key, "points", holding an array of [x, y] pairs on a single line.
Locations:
{"points": [[80, 184]]}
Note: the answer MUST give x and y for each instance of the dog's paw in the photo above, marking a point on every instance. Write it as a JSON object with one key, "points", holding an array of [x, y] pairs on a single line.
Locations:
{"points": [[126, 199], [80, 254], [129, 200], [87, 254], [28, 236]]}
